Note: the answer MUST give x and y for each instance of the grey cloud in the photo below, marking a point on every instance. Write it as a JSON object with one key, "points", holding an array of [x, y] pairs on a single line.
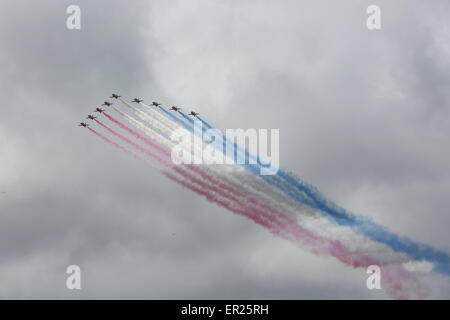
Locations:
{"points": [[362, 115]]}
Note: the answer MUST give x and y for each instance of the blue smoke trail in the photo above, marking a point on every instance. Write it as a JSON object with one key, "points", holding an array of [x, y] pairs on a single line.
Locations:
{"points": [[176, 119], [186, 117], [205, 123]]}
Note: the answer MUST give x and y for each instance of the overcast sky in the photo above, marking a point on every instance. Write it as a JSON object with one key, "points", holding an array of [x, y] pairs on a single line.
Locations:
{"points": [[363, 115]]}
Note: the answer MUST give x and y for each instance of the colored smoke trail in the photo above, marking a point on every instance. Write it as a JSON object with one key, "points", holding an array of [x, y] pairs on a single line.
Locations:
{"points": [[205, 123], [272, 203], [213, 184], [155, 136], [383, 252], [210, 196], [257, 187], [162, 127], [122, 148], [283, 228], [137, 135], [372, 230], [369, 247], [219, 189], [132, 143], [234, 195], [310, 196]]}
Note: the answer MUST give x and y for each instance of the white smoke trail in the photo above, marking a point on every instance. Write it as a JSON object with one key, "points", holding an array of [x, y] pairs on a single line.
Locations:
{"points": [[163, 127], [160, 117]]}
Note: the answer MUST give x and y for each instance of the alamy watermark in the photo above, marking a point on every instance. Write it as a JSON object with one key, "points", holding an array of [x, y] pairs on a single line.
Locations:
{"points": [[73, 281], [373, 21], [235, 146], [73, 21], [374, 280]]}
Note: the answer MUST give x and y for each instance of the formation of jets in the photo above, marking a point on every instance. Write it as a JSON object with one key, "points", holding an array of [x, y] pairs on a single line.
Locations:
{"points": [[137, 100]]}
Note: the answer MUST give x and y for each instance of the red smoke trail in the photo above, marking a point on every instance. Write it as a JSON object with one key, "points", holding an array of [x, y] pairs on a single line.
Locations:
{"points": [[217, 185], [395, 279], [134, 144], [164, 151], [161, 160], [138, 135], [166, 163], [202, 173], [210, 196], [203, 192], [122, 148], [225, 204], [332, 247]]}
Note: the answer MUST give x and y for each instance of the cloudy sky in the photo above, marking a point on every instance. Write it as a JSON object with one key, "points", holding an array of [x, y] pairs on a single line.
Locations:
{"points": [[363, 115]]}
